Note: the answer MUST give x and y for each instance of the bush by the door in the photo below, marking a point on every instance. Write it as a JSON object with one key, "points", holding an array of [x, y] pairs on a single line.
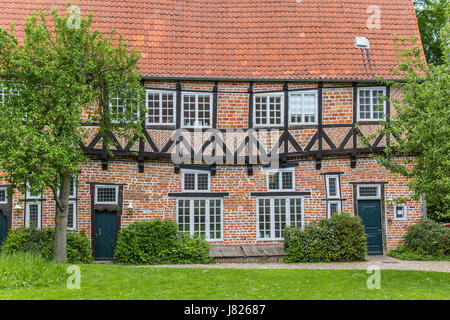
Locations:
{"points": [[42, 242], [426, 240], [159, 242], [340, 238]]}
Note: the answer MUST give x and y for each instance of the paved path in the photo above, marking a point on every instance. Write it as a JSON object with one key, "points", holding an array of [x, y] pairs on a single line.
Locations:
{"points": [[383, 262]]}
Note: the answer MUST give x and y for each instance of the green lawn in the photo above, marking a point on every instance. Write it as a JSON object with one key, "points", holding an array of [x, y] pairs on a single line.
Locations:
{"points": [[119, 282]]}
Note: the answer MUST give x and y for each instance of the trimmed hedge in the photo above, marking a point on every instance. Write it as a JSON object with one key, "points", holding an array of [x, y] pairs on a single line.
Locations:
{"points": [[340, 238], [159, 242], [42, 242], [426, 240]]}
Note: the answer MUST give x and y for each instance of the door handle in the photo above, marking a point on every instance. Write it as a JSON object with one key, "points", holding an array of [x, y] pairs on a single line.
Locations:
{"points": [[379, 230], [99, 233]]}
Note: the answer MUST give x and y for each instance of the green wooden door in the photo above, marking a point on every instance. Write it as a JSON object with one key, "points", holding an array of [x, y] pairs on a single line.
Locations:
{"points": [[3, 227], [105, 234], [370, 213]]}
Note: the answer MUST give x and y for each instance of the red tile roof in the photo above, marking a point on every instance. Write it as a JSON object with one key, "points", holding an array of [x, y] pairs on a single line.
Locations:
{"points": [[244, 39]]}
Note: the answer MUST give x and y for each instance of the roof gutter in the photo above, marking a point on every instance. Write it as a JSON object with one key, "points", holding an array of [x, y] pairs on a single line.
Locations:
{"points": [[263, 79]]}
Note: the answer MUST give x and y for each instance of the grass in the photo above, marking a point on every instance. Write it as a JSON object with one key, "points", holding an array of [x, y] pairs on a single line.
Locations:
{"points": [[28, 270], [123, 282]]}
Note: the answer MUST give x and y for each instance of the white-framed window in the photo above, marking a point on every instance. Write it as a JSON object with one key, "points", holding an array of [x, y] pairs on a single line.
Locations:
{"points": [[197, 110], [3, 195], [161, 107], [195, 180], [73, 188], [303, 107], [31, 194], [400, 212], [201, 216], [33, 214], [369, 191], [282, 179], [118, 109], [106, 194], [268, 109], [333, 207], [333, 186], [276, 213], [72, 216], [371, 106]]}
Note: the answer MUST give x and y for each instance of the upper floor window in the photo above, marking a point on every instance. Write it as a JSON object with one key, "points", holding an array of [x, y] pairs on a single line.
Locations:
{"points": [[196, 180], [371, 106], [280, 180], [118, 109], [268, 109], [197, 110], [161, 107], [32, 194], [303, 107]]}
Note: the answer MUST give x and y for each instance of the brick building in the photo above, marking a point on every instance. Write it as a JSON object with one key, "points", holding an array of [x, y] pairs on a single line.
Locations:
{"points": [[284, 80]]}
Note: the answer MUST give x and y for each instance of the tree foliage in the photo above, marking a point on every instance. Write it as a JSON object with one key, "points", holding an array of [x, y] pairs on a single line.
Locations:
{"points": [[421, 125], [58, 80], [431, 19]]}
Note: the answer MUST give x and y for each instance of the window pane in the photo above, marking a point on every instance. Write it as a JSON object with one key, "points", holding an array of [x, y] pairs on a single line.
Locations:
{"points": [[34, 214], [287, 180], [189, 181], [334, 208], [184, 215], [369, 191], [203, 183], [153, 107], [117, 109], [3, 195], [106, 194], [200, 217], [167, 108], [378, 104], [189, 110], [296, 212], [215, 223], [400, 212], [274, 180], [264, 218], [332, 187], [71, 216], [204, 114], [260, 110], [279, 216]]}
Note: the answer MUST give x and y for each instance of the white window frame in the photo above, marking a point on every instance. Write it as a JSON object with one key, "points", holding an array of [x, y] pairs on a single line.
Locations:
{"points": [[404, 210], [75, 215], [338, 186], [160, 92], [280, 178], [207, 216], [272, 216], [329, 203], [196, 172], [98, 186], [268, 95], [371, 104], [138, 114], [6, 195], [316, 107], [377, 197], [197, 94], [30, 196], [27, 214]]}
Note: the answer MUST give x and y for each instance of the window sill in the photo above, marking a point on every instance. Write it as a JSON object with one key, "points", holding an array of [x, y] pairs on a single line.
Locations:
{"points": [[198, 194]]}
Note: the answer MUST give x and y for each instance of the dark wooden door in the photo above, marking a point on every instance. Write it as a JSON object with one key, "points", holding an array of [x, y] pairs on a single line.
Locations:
{"points": [[3, 227], [105, 234], [370, 213]]}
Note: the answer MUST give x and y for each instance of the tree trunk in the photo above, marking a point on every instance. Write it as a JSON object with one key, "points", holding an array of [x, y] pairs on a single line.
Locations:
{"points": [[62, 213]]}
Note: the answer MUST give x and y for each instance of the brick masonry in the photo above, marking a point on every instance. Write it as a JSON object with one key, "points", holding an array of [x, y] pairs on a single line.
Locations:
{"points": [[148, 191]]}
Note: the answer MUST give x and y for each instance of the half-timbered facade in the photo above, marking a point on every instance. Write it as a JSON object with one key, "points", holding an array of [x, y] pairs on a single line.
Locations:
{"points": [[254, 114]]}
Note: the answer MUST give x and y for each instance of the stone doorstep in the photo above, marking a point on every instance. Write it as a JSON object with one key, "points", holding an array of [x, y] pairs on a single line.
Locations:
{"points": [[247, 251]]}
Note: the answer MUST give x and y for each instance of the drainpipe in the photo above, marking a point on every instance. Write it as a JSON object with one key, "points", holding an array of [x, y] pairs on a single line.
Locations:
{"points": [[424, 206]]}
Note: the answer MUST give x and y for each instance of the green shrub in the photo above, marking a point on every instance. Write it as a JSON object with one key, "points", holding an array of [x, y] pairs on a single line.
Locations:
{"points": [[42, 242], [426, 240], [29, 270], [340, 238], [159, 242]]}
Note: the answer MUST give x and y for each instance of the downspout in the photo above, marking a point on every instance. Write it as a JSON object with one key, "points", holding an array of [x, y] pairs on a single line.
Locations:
{"points": [[424, 206]]}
